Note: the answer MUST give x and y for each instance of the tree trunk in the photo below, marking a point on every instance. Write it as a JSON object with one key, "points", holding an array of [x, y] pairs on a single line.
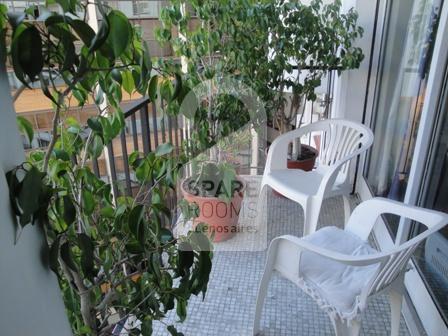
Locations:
{"points": [[86, 312], [87, 309]]}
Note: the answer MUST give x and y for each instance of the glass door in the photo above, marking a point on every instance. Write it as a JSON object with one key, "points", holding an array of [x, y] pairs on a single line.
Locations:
{"points": [[408, 40], [431, 259]]}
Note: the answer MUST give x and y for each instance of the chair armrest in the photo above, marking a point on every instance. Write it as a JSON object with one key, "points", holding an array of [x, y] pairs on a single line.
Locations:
{"points": [[331, 174], [296, 244], [285, 253], [365, 215]]}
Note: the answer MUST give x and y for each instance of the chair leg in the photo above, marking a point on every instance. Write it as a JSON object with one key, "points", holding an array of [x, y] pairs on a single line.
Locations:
{"points": [[263, 288], [342, 328], [347, 208], [262, 197], [396, 300], [311, 216]]}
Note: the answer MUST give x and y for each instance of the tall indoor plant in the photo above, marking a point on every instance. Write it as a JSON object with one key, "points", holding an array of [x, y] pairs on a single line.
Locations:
{"points": [[213, 182], [306, 42], [282, 49], [116, 264]]}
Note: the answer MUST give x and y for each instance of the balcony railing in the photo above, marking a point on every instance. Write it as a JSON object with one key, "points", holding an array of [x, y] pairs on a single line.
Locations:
{"points": [[146, 127]]}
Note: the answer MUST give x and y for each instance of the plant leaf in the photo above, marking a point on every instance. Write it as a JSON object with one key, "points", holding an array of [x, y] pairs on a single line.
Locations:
{"points": [[181, 309], [26, 51], [66, 5], [164, 149], [61, 154], [186, 258], [96, 147], [54, 255], [87, 265], [100, 38], [155, 264], [95, 125], [25, 128], [136, 226], [173, 331], [146, 327], [166, 90], [177, 86], [66, 255], [83, 30], [120, 32], [29, 194], [88, 201], [127, 82], [152, 88], [166, 236], [69, 210]]}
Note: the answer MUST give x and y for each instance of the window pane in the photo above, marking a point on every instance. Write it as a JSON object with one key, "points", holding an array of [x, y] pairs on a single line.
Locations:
{"points": [[432, 257], [407, 48]]}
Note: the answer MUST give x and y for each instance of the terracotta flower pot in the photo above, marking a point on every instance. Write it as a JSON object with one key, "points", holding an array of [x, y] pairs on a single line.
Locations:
{"points": [[307, 164], [221, 217]]}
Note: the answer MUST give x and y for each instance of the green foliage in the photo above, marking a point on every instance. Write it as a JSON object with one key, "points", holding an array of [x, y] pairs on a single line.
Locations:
{"points": [[214, 180], [317, 39], [25, 128], [260, 43], [112, 255], [202, 48], [123, 257]]}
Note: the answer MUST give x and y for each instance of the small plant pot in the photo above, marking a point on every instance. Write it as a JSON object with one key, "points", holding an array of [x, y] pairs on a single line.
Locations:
{"points": [[220, 216], [306, 164]]}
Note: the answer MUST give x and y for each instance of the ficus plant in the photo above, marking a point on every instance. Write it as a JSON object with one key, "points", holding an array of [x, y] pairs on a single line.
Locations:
{"points": [[208, 50], [306, 42], [115, 261], [275, 47]]}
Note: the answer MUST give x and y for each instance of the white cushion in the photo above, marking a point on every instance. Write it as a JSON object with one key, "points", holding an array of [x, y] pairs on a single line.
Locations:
{"points": [[336, 283]]}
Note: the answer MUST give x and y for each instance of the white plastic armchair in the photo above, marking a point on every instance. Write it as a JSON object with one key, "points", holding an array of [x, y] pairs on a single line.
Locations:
{"points": [[342, 140], [341, 271]]}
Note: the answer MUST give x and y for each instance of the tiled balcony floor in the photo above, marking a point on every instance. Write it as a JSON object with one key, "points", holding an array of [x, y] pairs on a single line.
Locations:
{"points": [[229, 304]]}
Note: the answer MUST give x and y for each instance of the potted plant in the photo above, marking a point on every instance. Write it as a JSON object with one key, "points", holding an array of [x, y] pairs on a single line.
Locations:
{"points": [[218, 193], [116, 265], [213, 184], [282, 49], [306, 42]]}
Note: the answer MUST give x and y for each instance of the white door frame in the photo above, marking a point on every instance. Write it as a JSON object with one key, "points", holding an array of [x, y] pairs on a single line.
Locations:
{"points": [[422, 300]]}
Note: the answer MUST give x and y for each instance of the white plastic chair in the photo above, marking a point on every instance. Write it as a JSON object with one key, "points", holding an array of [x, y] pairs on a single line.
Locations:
{"points": [[341, 271], [341, 141]]}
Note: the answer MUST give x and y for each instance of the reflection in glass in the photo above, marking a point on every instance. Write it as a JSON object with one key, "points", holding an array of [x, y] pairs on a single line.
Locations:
{"points": [[432, 258], [401, 86]]}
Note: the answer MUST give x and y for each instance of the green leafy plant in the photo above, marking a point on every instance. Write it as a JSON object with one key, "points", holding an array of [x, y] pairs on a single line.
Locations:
{"points": [[214, 180], [113, 257], [275, 47], [208, 53], [306, 42], [206, 50]]}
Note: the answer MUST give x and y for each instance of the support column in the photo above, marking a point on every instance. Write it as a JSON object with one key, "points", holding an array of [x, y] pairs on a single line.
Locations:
{"points": [[31, 301]]}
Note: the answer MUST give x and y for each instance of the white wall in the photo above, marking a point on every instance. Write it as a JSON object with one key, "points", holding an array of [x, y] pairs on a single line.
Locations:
{"points": [[351, 86], [30, 299]]}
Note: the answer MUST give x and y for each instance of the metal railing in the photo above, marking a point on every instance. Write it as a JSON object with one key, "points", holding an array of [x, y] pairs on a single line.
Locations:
{"points": [[145, 129], [147, 126]]}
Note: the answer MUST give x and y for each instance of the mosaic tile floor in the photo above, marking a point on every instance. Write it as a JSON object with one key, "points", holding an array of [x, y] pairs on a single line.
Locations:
{"points": [[229, 304]]}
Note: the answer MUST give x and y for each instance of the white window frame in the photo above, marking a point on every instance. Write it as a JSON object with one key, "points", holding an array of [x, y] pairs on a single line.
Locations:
{"points": [[426, 309]]}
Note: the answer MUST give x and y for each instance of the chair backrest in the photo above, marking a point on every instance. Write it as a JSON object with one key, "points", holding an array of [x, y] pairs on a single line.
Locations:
{"points": [[339, 139], [395, 260]]}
